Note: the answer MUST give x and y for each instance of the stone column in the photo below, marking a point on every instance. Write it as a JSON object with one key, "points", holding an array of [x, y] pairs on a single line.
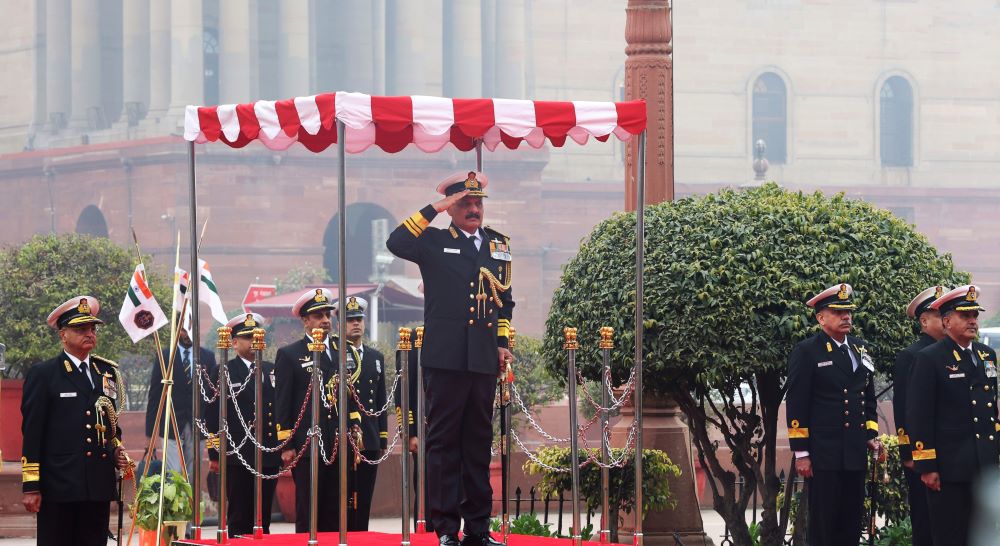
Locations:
{"points": [[85, 56], [159, 58], [509, 50], [664, 429], [135, 60], [57, 63], [187, 57], [235, 31], [649, 75], [294, 50], [462, 53], [354, 21], [404, 47]]}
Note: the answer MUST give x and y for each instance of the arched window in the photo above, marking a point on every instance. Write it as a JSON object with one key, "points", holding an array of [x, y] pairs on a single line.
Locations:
{"points": [[770, 117], [896, 123], [91, 222], [211, 60], [368, 225]]}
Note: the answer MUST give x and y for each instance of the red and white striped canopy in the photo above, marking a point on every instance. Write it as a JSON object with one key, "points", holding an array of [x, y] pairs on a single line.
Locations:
{"points": [[392, 123]]}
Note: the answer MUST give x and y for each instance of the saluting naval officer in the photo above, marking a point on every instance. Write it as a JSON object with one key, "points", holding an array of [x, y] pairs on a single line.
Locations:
{"points": [[70, 449], [240, 479], [951, 409], [931, 331], [293, 368], [369, 382], [831, 418], [468, 305]]}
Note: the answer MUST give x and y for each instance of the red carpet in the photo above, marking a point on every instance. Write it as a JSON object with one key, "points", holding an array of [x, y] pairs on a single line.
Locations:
{"points": [[372, 539]]}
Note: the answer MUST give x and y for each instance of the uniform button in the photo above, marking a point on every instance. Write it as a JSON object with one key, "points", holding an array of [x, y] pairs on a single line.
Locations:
{"points": [[370, 401], [88, 454], [89, 440], [986, 387], [471, 322], [489, 324], [104, 455], [847, 413], [88, 412], [87, 425], [845, 402], [269, 404], [975, 419], [977, 435], [973, 402], [490, 311], [845, 391], [471, 297], [988, 404], [491, 298], [991, 436], [471, 284], [846, 425], [472, 309]]}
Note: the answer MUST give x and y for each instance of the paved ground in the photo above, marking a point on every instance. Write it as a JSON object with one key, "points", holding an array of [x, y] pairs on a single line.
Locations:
{"points": [[713, 526]]}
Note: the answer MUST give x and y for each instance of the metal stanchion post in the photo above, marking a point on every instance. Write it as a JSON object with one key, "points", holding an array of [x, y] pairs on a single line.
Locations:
{"points": [[506, 426], [421, 437], [317, 347], [258, 430], [606, 343], [404, 423], [640, 240], [571, 346], [221, 437]]}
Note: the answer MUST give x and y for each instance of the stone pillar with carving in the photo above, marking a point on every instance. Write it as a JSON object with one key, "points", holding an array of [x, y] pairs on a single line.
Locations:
{"points": [[663, 428], [649, 76]]}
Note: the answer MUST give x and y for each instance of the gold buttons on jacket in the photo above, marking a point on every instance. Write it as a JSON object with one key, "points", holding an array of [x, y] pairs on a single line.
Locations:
{"points": [[87, 426], [88, 412], [845, 391], [471, 322], [847, 413], [846, 425], [846, 402], [973, 402], [89, 440], [88, 454], [472, 309]]}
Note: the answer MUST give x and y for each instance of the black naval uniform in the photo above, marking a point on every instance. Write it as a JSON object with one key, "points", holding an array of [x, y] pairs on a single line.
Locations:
{"points": [[370, 385], [831, 414], [65, 456], [467, 317], [182, 390], [239, 479], [919, 518], [293, 373], [952, 415]]}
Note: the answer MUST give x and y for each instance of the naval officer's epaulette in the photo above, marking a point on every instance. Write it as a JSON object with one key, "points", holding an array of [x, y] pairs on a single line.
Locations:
{"points": [[109, 362], [493, 230]]}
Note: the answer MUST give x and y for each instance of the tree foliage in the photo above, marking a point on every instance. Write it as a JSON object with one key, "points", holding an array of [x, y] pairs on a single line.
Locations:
{"points": [[726, 280], [49, 269]]}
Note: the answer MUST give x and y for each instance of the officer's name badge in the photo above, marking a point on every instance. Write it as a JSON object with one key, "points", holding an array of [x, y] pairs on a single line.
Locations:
{"points": [[499, 250], [452, 250], [991, 369], [67, 395], [824, 364], [956, 375], [306, 363]]}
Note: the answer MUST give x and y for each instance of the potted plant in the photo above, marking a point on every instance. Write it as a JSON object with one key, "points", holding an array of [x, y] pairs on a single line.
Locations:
{"points": [[657, 469], [177, 510]]}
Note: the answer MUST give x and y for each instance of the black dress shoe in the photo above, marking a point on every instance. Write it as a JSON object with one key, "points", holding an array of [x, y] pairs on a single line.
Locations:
{"points": [[482, 539], [448, 540]]}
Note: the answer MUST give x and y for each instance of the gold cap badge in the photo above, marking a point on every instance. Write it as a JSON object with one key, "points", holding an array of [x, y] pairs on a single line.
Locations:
{"points": [[842, 294], [352, 304], [320, 298], [471, 183], [84, 307], [971, 296]]}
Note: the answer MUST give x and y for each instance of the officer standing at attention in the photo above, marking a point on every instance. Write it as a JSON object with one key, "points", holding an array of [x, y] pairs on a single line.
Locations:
{"points": [[240, 480], [293, 374], [831, 419], [951, 409], [369, 382], [71, 449], [931, 331], [466, 271]]}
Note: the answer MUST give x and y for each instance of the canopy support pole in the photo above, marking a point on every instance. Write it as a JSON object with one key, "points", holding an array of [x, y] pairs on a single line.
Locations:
{"points": [[195, 354], [341, 312], [640, 240], [479, 155]]}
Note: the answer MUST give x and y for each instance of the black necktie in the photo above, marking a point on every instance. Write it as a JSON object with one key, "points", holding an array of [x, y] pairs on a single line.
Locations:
{"points": [[847, 352], [972, 356], [186, 361], [86, 373]]}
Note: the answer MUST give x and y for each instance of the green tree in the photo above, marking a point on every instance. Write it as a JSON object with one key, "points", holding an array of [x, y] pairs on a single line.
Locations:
{"points": [[49, 269], [727, 277]]}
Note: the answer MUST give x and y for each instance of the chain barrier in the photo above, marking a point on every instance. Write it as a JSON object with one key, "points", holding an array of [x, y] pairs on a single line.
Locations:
{"points": [[201, 387]]}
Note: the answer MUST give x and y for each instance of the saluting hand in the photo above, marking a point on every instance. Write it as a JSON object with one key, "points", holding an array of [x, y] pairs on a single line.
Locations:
{"points": [[447, 202]]}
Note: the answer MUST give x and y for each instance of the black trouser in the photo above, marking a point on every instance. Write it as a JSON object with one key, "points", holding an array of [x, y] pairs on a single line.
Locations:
{"points": [[328, 496], [919, 514], [836, 505], [951, 513], [240, 498], [364, 477], [459, 433], [78, 523]]}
